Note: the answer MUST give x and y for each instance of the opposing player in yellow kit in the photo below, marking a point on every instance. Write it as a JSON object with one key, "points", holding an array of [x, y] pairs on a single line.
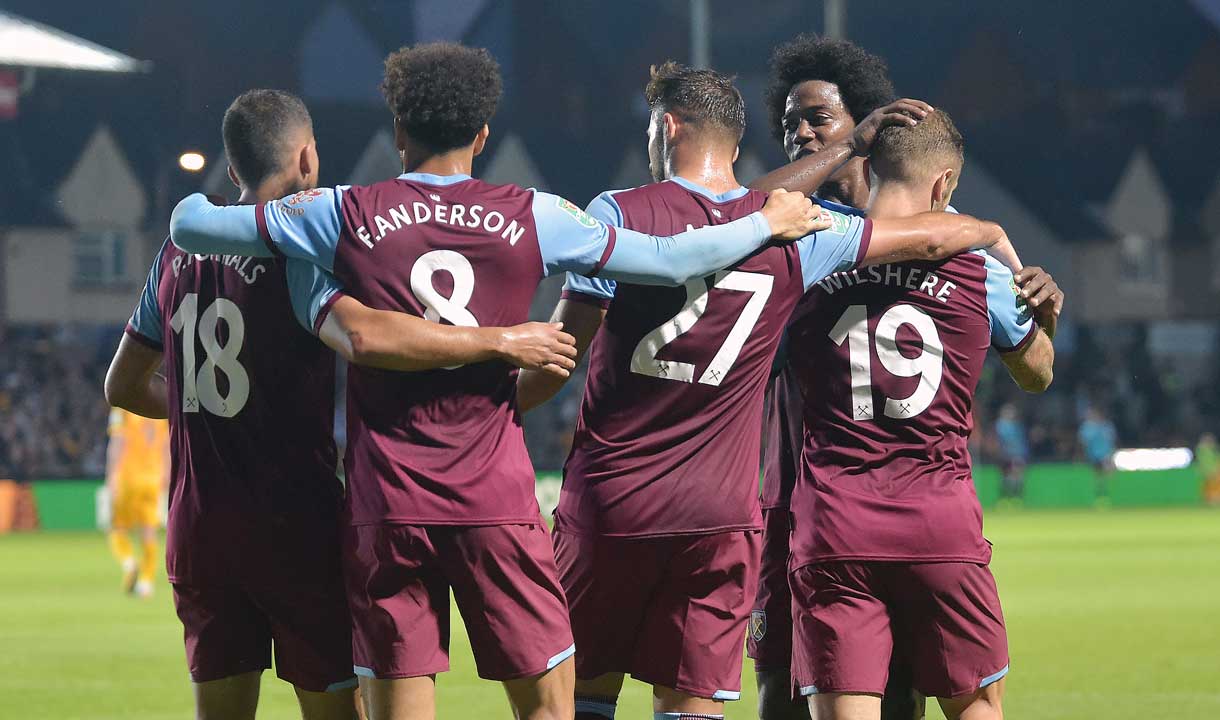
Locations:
{"points": [[137, 473]]}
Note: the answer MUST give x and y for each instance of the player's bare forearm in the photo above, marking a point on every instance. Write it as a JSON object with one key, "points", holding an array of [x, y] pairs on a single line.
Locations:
{"points": [[805, 175], [936, 236], [1032, 367], [132, 382], [398, 341], [582, 320]]}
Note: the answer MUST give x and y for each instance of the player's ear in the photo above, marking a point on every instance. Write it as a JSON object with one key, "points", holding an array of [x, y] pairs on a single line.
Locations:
{"points": [[671, 126], [736, 153], [233, 177], [480, 139], [942, 189], [305, 161]]}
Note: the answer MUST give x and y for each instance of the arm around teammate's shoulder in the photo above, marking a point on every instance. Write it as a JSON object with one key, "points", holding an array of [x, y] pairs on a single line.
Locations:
{"points": [[573, 241], [392, 340], [936, 236]]}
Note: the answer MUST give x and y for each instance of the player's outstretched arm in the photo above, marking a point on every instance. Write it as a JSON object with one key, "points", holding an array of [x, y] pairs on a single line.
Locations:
{"points": [[305, 226], [805, 175], [936, 236], [650, 260], [582, 320], [398, 341], [132, 382], [198, 226]]}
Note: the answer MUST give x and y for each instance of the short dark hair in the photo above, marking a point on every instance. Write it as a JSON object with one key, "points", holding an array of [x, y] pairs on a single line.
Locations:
{"points": [[863, 79], [700, 97], [908, 153], [442, 93], [256, 129]]}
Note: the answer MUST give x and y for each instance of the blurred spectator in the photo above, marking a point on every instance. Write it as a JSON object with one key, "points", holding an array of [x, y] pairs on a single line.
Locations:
{"points": [[1098, 440], [1014, 450], [1207, 462]]}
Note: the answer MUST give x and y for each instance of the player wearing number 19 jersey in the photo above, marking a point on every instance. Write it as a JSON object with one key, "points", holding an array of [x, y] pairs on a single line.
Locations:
{"points": [[657, 529], [440, 486], [887, 544]]}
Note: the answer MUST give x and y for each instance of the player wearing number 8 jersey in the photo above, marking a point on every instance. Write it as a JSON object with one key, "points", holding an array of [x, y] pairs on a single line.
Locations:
{"points": [[657, 529], [887, 544], [440, 485]]}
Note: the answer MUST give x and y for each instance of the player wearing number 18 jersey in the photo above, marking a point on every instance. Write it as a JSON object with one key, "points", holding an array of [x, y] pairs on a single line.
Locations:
{"points": [[440, 486], [887, 544], [255, 510], [657, 529]]}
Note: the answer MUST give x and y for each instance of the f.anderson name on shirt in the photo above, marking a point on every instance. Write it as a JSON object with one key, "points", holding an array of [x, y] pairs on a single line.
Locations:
{"points": [[472, 217]]}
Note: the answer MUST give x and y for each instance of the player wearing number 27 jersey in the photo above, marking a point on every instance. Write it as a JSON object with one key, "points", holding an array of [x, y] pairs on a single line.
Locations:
{"points": [[657, 529], [887, 547]]}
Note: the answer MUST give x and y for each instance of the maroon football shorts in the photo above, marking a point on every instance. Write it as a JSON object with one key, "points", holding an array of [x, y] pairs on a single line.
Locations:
{"points": [[944, 616], [671, 611], [231, 629], [769, 634], [504, 582]]}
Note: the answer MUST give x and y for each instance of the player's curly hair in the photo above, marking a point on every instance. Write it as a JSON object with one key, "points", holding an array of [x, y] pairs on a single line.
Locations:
{"points": [[703, 97], [863, 78], [442, 93]]}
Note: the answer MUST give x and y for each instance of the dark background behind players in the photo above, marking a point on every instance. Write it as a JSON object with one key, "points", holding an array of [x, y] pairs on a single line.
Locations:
{"points": [[1091, 138]]}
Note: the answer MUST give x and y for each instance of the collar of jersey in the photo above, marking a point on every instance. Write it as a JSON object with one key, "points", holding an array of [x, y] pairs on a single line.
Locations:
{"points": [[733, 194], [430, 179], [838, 207]]}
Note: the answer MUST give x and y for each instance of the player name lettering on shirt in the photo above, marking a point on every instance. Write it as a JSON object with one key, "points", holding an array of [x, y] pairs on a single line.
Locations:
{"points": [[399, 216], [249, 268], [911, 278]]}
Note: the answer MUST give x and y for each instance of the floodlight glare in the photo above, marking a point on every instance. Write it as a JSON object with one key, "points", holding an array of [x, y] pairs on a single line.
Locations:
{"points": [[191, 161]]}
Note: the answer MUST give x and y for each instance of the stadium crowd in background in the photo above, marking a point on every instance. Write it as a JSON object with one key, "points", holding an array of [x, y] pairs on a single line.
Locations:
{"points": [[58, 429], [52, 422]]}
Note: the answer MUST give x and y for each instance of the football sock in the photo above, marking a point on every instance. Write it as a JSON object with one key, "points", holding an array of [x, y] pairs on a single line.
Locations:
{"points": [[120, 547], [595, 707], [148, 561], [685, 716]]}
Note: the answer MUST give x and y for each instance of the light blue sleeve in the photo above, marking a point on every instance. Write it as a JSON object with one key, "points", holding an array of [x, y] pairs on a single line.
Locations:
{"points": [[305, 226], [572, 240], [836, 249], [311, 289], [1011, 320], [146, 319], [604, 208]]}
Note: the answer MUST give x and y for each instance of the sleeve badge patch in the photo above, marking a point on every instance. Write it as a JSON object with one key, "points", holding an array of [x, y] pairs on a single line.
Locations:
{"points": [[838, 221], [574, 210]]}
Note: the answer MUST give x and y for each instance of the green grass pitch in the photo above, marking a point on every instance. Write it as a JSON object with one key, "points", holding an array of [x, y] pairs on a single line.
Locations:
{"points": [[1111, 615]]}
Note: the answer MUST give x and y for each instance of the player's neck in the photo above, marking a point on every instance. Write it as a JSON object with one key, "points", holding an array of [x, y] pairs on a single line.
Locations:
{"points": [[894, 200], [712, 169], [451, 162], [270, 189], [848, 187]]}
